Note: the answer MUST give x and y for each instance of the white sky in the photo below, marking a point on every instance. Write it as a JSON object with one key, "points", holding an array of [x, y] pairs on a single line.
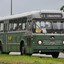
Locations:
{"points": [[20, 6]]}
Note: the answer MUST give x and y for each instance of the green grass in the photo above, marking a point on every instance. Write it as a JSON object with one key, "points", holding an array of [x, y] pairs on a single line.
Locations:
{"points": [[10, 59]]}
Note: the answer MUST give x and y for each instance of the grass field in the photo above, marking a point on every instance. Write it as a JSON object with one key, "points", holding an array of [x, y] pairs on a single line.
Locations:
{"points": [[10, 59]]}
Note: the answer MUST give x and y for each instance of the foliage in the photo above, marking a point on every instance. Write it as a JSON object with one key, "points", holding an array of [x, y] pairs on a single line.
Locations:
{"points": [[10, 59]]}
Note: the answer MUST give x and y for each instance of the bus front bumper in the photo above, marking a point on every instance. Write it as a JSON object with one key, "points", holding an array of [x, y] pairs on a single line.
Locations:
{"points": [[52, 48]]}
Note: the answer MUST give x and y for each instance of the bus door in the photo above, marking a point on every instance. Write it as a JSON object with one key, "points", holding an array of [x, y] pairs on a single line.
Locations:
{"points": [[5, 35]]}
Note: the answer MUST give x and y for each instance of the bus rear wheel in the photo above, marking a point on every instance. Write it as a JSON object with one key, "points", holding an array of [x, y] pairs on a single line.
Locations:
{"points": [[22, 48], [55, 54]]}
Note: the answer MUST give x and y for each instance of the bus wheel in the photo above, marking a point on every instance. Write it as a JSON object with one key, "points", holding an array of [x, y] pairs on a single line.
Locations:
{"points": [[22, 48], [55, 54]]}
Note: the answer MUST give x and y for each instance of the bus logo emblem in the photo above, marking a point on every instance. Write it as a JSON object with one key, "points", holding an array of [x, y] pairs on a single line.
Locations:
{"points": [[9, 38]]}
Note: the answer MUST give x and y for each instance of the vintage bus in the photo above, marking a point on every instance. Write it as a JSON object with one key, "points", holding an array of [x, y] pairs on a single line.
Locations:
{"points": [[33, 32]]}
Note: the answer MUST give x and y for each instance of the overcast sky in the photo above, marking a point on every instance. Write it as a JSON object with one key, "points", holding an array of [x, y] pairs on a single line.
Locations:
{"points": [[20, 6]]}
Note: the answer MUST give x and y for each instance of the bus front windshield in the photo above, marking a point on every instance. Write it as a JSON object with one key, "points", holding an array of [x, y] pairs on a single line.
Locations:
{"points": [[48, 27]]}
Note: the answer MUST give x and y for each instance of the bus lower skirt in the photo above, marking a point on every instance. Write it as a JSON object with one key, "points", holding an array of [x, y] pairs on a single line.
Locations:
{"points": [[46, 50]]}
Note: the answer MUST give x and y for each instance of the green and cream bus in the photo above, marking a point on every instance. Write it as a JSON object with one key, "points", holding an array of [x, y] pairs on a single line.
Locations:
{"points": [[33, 32]]}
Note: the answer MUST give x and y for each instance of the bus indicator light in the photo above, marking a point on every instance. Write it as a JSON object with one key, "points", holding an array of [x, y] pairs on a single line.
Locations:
{"points": [[63, 42]]}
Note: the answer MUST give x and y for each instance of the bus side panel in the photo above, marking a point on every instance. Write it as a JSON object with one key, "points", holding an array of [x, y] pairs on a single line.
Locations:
{"points": [[13, 41], [2, 41]]}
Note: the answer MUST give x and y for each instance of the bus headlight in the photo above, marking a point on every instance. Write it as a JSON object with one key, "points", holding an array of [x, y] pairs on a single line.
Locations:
{"points": [[63, 42], [39, 42]]}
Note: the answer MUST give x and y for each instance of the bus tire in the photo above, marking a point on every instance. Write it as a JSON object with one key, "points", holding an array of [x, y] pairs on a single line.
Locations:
{"points": [[22, 48], [23, 51], [55, 54]]}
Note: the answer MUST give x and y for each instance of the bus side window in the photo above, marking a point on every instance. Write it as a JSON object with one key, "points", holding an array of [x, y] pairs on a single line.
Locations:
{"points": [[17, 24], [1, 27], [23, 26], [20, 27]]}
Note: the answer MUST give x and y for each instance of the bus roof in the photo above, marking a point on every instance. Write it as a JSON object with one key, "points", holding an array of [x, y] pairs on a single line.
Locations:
{"points": [[28, 14]]}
